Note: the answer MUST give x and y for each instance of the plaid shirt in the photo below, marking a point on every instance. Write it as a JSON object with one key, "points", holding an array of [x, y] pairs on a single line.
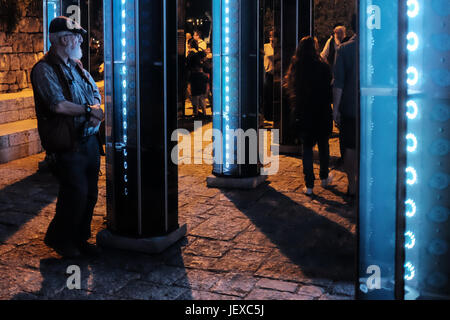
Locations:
{"points": [[47, 86]]}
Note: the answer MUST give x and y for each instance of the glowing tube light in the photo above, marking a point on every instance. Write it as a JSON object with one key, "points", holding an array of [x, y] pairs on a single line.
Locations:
{"points": [[410, 271], [410, 208], [411, 142], [413, 76], [412, 179], [411, 240], [413, 41], [413, 8], [412, 110]]}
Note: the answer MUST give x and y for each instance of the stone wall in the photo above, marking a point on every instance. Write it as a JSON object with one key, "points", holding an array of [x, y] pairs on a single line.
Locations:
{"points": [[20, 50]]}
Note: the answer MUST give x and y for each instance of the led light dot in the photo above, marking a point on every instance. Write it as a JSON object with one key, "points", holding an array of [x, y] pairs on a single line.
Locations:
{"points": [[413, 41], [413, 76], [411, 142], [410, 208], [409, 271], [412, 176], [411, 240], [413, 8], [412, 110]]}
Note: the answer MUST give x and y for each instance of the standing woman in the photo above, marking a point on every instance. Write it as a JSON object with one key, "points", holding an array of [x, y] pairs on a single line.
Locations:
{"points": [[309, 84]]}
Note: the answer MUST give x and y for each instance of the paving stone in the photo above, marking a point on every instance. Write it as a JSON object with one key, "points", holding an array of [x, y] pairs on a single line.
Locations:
{"points": [[313, 291], [277, 285], [208, 248], [205, 295], [199, 280], [165, 275], [214, 228], [235, 284], [240, 260], [334, 297], [343, 288], [140, 290], [265, 294]]}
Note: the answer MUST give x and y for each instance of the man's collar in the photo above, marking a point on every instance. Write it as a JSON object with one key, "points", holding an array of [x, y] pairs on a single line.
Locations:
{"points": [[56, 59]]}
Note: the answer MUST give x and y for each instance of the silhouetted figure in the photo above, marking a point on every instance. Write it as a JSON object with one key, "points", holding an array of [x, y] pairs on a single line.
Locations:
{"points": [[309, 86]]}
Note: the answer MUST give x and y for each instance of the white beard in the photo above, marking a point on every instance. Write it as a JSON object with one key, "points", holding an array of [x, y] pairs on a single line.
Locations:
{"points": [[74, 53]]}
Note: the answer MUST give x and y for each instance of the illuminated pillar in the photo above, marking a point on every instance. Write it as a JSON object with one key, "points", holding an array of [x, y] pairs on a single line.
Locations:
{"points": [[235, 90], [77, 10], [404, 232], [425, 148], [141, 114]]}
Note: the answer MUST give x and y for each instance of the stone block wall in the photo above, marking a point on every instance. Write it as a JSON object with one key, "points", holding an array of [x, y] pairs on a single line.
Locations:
{"points": [[20, 50]]}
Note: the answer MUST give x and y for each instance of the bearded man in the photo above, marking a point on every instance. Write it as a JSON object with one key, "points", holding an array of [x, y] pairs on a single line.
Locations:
{"points": [[62, 87]]}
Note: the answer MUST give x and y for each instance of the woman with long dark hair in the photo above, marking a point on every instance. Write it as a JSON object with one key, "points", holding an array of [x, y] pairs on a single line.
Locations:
{"points": [[309, 87]]}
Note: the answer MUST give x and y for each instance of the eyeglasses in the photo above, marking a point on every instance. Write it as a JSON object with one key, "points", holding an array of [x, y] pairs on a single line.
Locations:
{"points": [[78, 36]]}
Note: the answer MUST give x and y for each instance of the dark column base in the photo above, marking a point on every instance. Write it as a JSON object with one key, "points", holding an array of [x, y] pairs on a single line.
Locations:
{"points": [[106, 238], [234, 183]]}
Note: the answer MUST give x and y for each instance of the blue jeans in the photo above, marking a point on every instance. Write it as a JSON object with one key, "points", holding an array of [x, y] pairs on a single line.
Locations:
{"points": [[77, 173], [309, 141]]}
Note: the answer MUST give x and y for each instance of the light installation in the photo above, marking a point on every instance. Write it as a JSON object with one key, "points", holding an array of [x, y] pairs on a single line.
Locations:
{"points": [[404, 103], [141, 114], [427, 259], [235, 81], [52, 9]]}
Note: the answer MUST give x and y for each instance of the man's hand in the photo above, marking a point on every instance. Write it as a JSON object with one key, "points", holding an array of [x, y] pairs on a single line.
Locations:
{"points": [[97, 113], [93, 122]]}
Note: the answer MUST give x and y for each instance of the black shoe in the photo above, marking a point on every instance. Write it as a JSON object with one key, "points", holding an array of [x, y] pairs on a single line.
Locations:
{"points": [[89, 249], [66, 251]]}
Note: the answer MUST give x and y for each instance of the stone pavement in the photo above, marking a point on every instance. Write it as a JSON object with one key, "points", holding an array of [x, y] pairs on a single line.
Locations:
{"points": [[271, 243]]}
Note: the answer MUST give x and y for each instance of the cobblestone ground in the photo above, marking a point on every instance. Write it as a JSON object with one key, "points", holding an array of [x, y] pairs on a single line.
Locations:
{"points": [[269, 243]]}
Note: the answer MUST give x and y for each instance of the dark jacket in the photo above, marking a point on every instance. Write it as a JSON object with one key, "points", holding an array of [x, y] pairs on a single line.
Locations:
{"points": [[313, 98]]}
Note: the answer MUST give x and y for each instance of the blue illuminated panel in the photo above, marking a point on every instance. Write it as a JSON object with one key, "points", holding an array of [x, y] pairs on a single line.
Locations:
{"points": [[235, 83], [427, 257], [226, 79], [52, 9], [120, 105], [378, 146]]}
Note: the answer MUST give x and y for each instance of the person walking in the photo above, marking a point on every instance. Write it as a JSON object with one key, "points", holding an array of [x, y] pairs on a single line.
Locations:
{"points": [[309, 87], [64, 90], [344, 105]]}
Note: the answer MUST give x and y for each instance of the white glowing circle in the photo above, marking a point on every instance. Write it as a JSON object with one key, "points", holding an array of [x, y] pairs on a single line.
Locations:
{"points": [[227, 20], [124, 70], [411, 240], [413, 76], [227, 10], [124, 98], [124, 83], [123, 28], [125, 125], [125, 165], [412, 142], [413, 41], [413, 110], [411, 211], [409, 271], [124, 42], [124, 111], [227, 30], [227, 69], [123, 13], [227, 39], [123, 1], [413, 8], [227, 79], [413, 176]]}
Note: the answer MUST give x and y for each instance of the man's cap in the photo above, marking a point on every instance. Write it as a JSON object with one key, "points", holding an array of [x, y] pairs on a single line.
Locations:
{"points": [[62, 23]]}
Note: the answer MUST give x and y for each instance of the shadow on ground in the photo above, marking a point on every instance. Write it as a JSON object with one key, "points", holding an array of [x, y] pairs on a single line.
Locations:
{"points": [[319, 246]]}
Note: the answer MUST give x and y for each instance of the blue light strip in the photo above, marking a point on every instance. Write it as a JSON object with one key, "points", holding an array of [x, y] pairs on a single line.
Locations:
{"points": [[413, 79], [123, 43], [226, 53]]}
